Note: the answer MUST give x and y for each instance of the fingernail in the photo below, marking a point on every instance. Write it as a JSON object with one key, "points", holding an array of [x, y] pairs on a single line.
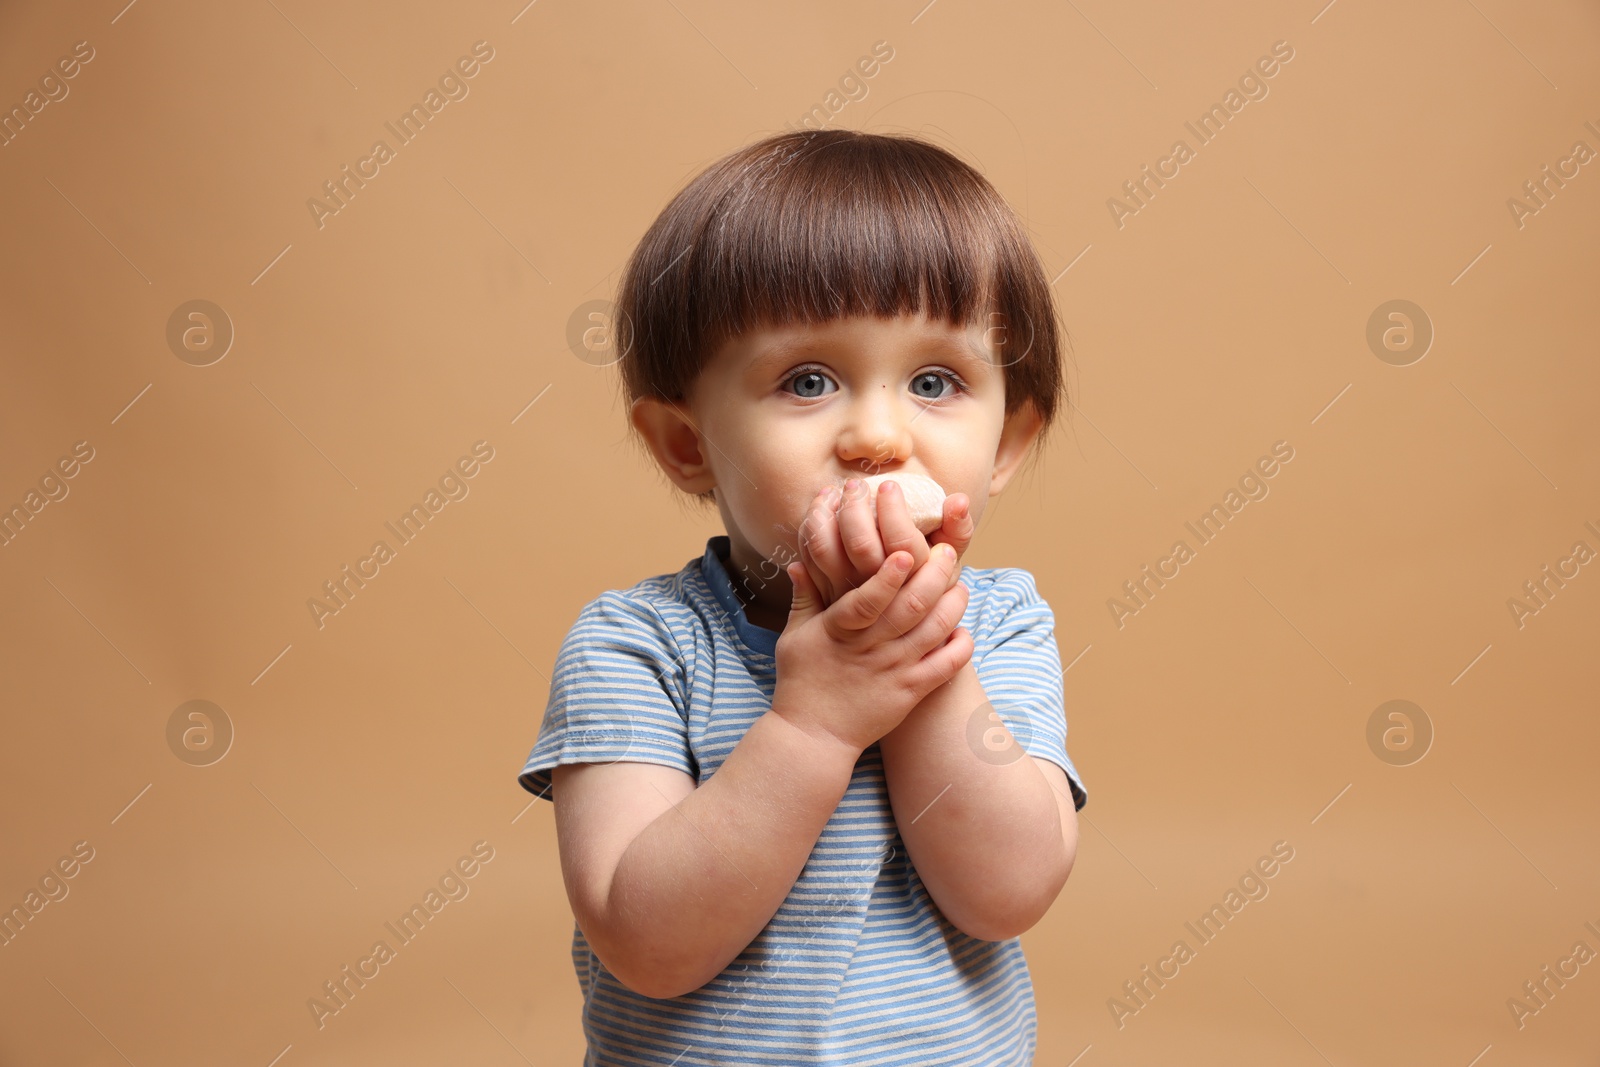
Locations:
{"points": [[850, 485]]}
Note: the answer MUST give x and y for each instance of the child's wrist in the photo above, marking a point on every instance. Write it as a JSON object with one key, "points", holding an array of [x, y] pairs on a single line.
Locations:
{"points": [[823, 743]]}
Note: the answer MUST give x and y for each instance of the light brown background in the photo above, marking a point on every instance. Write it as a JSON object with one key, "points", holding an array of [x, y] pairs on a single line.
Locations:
{"points": [[371, 753]]}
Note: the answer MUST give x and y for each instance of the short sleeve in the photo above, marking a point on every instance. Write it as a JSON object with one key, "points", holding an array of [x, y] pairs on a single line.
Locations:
{"points": [[618, 693], [1020, 670]]}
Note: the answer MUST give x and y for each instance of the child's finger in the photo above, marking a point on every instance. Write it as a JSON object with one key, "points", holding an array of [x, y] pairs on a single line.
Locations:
{"points": [[858, 530], [861, 607], [943, 662], [819, 579], [804, 599], [958, 513], [895, 527], [958, 528], [820, 543], [812, 575], [816, 536], [922, 606]]}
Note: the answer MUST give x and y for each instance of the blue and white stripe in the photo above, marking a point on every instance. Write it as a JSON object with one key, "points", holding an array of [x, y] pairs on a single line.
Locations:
{"points": [[858, 965]]}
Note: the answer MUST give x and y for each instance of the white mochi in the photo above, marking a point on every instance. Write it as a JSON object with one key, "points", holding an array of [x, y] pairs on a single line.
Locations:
{"points": [[924, 498]]}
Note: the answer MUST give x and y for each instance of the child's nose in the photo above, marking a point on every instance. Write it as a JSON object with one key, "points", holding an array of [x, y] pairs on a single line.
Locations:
{"points": [[878, 431]]}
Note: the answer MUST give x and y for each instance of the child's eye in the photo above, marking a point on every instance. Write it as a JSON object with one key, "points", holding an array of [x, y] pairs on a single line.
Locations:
{"points": [[934, 377], [810, 383], [809, 378]]}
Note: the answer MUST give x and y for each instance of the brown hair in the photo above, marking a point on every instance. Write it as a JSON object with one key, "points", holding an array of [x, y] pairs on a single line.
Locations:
{"points": [[814, 225]]}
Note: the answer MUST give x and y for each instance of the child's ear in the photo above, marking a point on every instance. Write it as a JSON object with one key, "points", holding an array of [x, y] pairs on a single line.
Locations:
{"points": [[669, 432], [1016, 437]]}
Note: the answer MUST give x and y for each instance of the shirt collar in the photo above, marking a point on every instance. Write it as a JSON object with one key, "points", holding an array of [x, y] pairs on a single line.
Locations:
{"points": [[757, 638]]}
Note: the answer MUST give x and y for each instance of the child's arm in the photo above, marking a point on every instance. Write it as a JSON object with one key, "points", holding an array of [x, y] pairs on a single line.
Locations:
{"points": [[992, 841], [670, 882], [989, 837]]}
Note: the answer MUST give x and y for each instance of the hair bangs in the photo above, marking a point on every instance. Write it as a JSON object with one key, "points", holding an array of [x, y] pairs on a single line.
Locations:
{"points": [[808, 237]]}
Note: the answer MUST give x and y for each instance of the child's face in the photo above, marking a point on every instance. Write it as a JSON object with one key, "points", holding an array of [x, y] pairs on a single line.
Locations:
{"points": [[779, 413]]}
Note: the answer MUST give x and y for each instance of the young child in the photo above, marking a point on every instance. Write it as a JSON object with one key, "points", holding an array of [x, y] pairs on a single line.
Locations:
{"points": [[811, 788]]}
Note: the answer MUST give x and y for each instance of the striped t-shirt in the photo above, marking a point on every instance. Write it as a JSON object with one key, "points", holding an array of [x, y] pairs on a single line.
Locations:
{"points": [[858, 965]]}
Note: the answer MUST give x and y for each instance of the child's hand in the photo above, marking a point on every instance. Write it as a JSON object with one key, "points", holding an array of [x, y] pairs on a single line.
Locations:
{"points": [[841, 547], [852, 672]]}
